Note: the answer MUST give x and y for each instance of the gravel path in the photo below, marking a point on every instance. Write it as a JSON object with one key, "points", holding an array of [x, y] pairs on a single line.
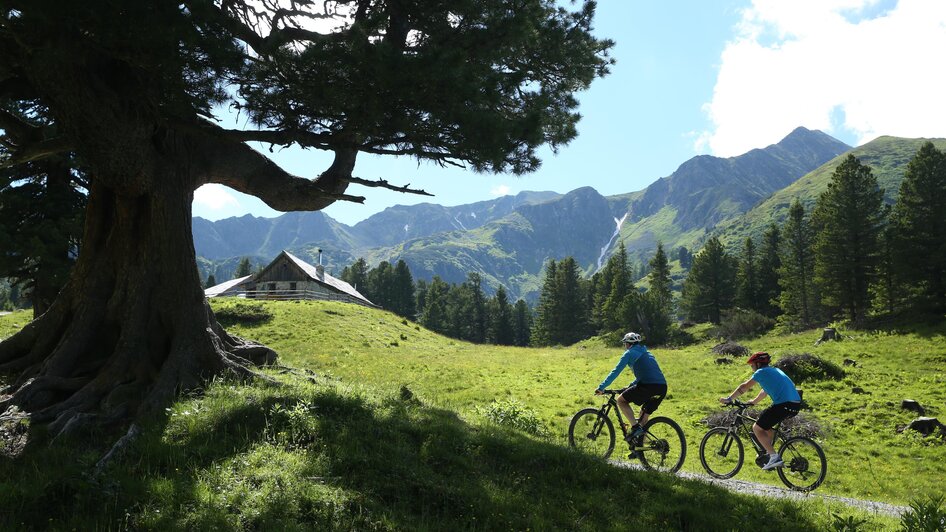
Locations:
{"points": [[768, 490]]}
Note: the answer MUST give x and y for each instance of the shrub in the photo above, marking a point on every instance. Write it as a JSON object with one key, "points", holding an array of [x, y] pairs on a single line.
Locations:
{"points": [[740, 323], [800, 425], [516, 415], [730, 348], [925, 516], [243, 312], [807, 367]]}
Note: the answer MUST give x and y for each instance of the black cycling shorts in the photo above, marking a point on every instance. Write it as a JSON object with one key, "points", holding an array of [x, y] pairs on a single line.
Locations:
{"points": [[647, 396], [777, 413]]}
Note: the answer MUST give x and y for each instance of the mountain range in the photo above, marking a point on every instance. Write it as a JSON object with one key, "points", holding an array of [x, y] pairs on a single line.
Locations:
{"points": [[508, 240]]}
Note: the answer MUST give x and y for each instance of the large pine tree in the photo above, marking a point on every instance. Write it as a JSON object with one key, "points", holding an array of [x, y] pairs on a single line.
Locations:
{"points": [[849, 216], [919, 219], [710, 287], [131, 89]]}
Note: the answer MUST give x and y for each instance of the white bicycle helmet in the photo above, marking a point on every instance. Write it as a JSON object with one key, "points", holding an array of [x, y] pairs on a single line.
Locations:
{"points": [[631, 338]]}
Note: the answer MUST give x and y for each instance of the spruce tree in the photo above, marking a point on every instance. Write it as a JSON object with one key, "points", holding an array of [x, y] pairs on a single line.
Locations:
{"points": [[619, 274], [357, 276], [798, 298], [661, 284], [919, 218], [849, 216], [477, 317], [403, 291], [434, 314], [522, 323], [501, 330], [769, 265], [710, 287], [748, 295], [546, 312], [243, 268], [211, 281]]}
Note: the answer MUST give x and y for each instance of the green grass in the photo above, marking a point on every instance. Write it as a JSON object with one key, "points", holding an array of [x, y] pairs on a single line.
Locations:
{"points": [[390, 429], [868, 458]]}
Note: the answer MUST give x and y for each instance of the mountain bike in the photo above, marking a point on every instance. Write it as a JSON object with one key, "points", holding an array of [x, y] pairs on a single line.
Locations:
{"points": [[662, 447], [722, 453]]}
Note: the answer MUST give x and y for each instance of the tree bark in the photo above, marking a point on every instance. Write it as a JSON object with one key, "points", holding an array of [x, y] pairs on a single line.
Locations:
{"points": [[132, 327]]}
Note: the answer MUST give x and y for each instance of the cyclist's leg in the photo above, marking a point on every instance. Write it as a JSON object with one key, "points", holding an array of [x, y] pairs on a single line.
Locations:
{"points": [[626, 410], [656, 394]]}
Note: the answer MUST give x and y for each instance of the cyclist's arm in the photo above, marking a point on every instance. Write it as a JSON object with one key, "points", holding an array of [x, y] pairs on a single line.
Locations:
{"points": [[741, 389], [762, 395], [616, 371]]}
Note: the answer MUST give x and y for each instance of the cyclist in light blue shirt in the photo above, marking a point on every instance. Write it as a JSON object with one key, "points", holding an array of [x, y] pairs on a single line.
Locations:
{"points": [[785, 402]]}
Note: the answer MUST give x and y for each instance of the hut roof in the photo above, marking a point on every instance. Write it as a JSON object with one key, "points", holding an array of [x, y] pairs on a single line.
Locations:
{"points": [[219, 289]]}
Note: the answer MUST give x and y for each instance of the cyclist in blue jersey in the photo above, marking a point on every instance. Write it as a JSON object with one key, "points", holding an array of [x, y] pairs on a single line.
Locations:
{"points": [[648, 389], [785, 402]]}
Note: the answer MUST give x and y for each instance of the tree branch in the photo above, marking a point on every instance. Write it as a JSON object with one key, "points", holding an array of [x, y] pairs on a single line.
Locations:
{"points": [[219, 158], [37, 151], [306, 139], [384, 184]]}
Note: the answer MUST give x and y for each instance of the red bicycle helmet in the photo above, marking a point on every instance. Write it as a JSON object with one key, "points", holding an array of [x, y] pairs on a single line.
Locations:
{"points": [[759, 356]]}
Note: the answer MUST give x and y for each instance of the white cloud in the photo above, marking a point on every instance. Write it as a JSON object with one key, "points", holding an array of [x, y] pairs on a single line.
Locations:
{"points": [[500, 190], [214, 197], [861, 67]]}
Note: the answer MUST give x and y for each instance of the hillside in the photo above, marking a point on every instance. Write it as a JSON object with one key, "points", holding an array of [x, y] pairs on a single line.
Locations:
{"points": [[867, 458], [344, 447], [887, 156]]}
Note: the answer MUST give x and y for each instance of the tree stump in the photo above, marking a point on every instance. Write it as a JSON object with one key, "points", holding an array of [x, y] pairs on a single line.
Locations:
{"points": [[722, 361], [850, 362], [828, 334], [913, 406], [924, 425]]}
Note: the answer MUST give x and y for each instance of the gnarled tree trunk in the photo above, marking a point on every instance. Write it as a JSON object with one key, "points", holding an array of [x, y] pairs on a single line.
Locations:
{"points": [[132, 327]]}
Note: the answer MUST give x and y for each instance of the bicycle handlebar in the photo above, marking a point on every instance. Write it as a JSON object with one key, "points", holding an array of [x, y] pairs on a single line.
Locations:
{"points": [[736, 403]]}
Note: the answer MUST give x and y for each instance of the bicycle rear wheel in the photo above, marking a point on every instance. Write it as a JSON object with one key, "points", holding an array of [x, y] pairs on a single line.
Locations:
{"points": [[664, 447], [721, 453], [805, 465], [592, 433]]}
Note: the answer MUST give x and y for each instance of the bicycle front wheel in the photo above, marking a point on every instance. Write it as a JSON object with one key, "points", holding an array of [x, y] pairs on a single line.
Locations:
{"points": [[805, 465], [591, 432], [721, 453], [664, 447]]}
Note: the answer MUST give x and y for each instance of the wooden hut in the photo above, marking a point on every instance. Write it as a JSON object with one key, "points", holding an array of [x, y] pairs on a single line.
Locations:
{"points": [[289, 277]]}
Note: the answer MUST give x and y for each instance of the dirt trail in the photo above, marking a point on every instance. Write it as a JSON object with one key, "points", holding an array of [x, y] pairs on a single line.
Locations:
{"points": [[768, 490]]}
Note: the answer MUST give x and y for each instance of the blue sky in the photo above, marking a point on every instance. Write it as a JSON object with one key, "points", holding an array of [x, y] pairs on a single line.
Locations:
{"points": [[694, 77]]}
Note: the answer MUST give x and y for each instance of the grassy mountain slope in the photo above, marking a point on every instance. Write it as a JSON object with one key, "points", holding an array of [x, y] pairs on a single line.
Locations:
{"points": [[887, 156], [382, 428], [679, 210]]}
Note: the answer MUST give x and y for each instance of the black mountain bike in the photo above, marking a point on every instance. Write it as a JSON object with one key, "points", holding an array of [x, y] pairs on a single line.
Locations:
{"points": [[661, 448], [722, 454]]}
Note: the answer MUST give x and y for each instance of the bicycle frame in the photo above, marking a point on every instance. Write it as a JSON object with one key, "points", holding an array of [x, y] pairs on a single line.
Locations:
{"points": [[612, 404], [741, 423]]}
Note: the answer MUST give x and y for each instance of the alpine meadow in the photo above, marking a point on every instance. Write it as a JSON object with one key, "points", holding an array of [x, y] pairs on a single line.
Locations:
{"points": [[429, 366]]}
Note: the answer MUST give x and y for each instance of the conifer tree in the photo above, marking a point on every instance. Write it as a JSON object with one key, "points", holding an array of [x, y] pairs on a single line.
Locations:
{"points": [[434, 315], [501, 330], [243, 268], [748, 295], [619, 274], [380, 285], [661, 284], [710, 287], [357, 276], [403, 291], [919, 217], [522, 323], [798, 298], [546, 312], [769, 264], [477, 318], [888, 288], [211, 281], [849, 216]]}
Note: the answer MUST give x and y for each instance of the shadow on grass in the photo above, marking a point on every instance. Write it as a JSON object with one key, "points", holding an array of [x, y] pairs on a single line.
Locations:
{"points": [[399, 465]]}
